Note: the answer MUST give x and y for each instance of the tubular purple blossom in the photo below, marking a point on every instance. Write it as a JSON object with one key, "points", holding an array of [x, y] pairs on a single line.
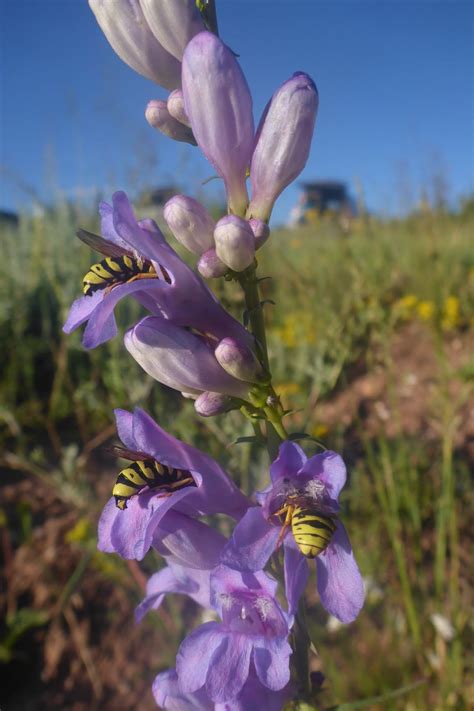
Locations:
{"points": [[283, 142], [158, 116], [124, 25], [219, 105], [253, 631], [191, 223], [314, 485], [235, 242], [179, 359], [150, 517], [173, 22], [176, 292]]}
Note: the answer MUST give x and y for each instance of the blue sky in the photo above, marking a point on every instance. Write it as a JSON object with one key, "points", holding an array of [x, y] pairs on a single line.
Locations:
{"points": [[396, 98]]}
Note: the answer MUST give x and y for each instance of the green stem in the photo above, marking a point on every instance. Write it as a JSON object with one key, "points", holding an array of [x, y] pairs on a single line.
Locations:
{"points": [[249, 283]]}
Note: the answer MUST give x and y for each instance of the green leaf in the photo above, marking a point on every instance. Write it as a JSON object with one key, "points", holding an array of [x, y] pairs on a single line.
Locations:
{"points": [[365, 703]]}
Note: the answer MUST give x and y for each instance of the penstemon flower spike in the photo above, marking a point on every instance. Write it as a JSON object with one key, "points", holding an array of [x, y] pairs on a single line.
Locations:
{"points": [[189, 342]]}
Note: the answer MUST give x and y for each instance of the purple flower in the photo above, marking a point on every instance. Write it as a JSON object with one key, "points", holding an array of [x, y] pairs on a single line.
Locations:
{"points": [[182, 360], [219, 106], [253, 632], [131, 532], [173, 22], [177, 293], [313, 485], [254, 695], [283, 142], [124, 25]]}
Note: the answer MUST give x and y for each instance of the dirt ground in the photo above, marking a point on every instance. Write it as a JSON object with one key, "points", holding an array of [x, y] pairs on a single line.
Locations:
{"points": [[84, 650]]}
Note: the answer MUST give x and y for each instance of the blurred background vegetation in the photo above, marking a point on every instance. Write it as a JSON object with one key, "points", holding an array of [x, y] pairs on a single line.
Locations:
{"points": [[371, 338]]}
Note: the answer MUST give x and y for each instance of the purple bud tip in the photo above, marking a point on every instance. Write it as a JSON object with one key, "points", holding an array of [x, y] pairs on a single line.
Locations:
{"points": [[210, 404], [176, 108], [210, 266], [283, 142], [158, 116], [191, 223], [235, 242], [238, 360], [260, 230]]}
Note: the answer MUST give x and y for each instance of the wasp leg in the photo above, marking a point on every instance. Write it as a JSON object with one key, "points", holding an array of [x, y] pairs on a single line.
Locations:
{"points": [[286, 523]]}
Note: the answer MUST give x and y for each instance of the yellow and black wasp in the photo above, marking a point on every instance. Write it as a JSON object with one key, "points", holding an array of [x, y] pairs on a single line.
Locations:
{"points": [[144, 471], [120, 266], [311, 529]]}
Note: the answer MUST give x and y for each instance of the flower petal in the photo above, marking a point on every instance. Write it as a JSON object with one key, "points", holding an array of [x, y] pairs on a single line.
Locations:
{"points": [[229, 668], [99, 327], [124, 424], [225, 581], [330, 469], [178, 579], [290, 460], [252, 543], [217, 493], [81, 310], [188, 542], [296, 576], [271, 658], [169, 696], [158, 585], [195, 654], [129, 532], [340, 583]]}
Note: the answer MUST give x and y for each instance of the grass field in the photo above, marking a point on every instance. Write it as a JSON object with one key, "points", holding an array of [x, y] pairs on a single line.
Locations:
{"points": [[371, 337]]}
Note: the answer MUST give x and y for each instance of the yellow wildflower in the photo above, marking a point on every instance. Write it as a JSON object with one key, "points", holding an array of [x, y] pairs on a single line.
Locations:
{"points": [[451, 317], [425, 310], [319, 431]]}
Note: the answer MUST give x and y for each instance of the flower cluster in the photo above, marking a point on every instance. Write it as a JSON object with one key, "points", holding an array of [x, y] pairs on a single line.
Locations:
{"points": [[188, 341]]}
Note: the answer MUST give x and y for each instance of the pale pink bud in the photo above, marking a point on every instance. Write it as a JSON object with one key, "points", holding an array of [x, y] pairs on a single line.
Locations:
{"points": [[124, 25], [173, 22], [238, 360], [210, 404], [158, 116], [260, 230], [283, 142], [235, 242], [176, 108], [190, 223], [210, 266]]}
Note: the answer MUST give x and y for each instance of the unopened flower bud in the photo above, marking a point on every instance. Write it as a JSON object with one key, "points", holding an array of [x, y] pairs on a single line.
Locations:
{"points": [[173, 22], [210, 404], [210, 266], [238, 360], [176, 108], [124, 25], [235, 242], [283, 142], [159, 117], [219, 106], [190, 223], [260, 230]]}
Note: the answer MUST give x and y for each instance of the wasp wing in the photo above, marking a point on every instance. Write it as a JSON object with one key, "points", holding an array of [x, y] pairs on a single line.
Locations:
{"points": [[101, 245], [125, 453]]}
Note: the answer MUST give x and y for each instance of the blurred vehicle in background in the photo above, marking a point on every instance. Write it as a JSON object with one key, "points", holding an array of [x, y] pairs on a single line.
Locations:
{"points": [[329, 198]]}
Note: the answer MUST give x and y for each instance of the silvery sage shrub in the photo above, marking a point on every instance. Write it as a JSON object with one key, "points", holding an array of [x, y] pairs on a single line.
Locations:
{"points": [[251, 653]]}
